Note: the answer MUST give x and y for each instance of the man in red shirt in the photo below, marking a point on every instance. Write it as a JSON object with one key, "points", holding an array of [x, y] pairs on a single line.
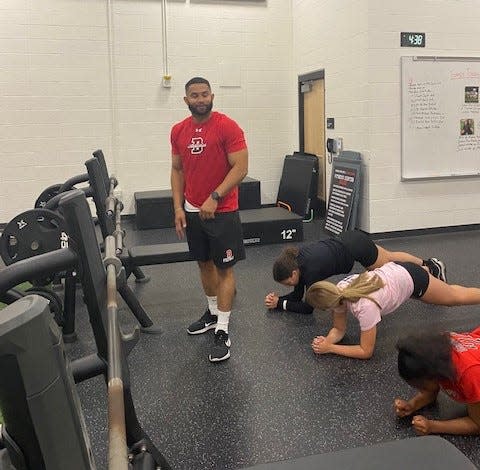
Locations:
{"points": [[447, 361], [209, 160]]}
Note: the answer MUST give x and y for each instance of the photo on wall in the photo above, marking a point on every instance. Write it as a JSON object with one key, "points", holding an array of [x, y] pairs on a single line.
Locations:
{"points": [[471, 94], [467, 127]]}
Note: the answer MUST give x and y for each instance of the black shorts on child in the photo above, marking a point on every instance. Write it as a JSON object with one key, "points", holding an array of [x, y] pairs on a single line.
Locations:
{"points": [[360, 246], [419, 276]]}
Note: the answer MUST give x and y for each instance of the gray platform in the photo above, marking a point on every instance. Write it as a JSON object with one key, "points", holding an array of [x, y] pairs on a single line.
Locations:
{"points": [[271, 225], [260, 226]]}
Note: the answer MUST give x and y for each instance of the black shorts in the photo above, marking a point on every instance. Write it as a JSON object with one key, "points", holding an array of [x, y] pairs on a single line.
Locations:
{"points": [[419, 276], [219, 239], [360, 246]]}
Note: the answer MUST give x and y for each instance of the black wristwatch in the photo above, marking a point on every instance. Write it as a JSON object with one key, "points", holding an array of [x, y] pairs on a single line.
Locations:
{"points": [[215, 196]]}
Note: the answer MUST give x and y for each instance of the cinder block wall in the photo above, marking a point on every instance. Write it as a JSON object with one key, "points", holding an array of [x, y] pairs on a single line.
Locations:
{"points": [[358, 44], [77, 76]]}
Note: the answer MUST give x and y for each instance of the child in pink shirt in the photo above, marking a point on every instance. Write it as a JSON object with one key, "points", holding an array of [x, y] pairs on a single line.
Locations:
{"points": [[371, 295]]}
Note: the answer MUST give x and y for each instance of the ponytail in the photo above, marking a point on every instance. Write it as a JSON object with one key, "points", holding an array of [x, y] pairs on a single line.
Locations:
{"points": [[325, 295], [285, 264]]}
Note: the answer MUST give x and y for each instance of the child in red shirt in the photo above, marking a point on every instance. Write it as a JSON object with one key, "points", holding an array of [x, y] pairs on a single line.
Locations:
{"points": [[447, 361]]}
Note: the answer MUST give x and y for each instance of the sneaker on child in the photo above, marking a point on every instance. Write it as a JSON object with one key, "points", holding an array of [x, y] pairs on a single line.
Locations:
{"points": [[437, 268]]}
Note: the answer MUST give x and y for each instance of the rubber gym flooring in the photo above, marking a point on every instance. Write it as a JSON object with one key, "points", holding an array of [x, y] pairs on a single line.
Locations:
{"points": [[273, 399]]}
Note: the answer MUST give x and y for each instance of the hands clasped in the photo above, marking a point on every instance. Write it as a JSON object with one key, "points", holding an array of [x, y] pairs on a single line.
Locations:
{"points": [[320, 345], [271, 300]]}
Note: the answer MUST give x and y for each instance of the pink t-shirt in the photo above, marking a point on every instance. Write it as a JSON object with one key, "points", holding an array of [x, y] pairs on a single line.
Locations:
{"points": [[398, 288]]}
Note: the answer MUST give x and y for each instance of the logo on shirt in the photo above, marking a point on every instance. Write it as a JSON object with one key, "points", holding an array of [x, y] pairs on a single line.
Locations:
{"points": [[229, 256], [464, 342], [197, 145]]}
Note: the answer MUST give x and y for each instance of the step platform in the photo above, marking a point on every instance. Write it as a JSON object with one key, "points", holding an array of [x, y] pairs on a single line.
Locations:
{"points": [[268, 225], [154, 209]]}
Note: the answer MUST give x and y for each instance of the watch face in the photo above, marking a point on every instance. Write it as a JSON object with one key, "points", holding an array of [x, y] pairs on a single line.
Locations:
{"points": [[215, 196]]}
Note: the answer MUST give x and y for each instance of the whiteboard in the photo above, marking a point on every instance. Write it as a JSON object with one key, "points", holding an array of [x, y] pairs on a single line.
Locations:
{"points": [[440, 117]]}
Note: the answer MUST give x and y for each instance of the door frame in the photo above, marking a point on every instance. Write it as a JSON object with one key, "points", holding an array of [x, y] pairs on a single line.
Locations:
{"points": [[316, 75]]}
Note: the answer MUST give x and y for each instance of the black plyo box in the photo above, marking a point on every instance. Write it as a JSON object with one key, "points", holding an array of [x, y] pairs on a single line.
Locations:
{"points": [[154, 209], [271, 225], [249, 194]]}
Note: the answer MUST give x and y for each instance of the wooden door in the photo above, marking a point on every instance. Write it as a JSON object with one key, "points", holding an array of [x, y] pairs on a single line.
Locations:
{"points": [[314, 127]]}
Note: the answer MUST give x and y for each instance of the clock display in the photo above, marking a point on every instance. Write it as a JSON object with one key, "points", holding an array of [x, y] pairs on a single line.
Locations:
{"points": [[412, 39]]}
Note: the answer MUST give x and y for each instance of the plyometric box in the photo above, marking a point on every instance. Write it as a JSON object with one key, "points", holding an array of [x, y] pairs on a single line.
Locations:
{"points": [[271, 225], [299, 182], [154, 209], [249, 194]]}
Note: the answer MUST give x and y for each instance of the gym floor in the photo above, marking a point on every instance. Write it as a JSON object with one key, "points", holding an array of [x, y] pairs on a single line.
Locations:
{"points": [[273, 399]]}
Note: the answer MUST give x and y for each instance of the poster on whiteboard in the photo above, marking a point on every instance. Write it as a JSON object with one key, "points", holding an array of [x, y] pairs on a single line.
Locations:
{"points": [[440, 117]]}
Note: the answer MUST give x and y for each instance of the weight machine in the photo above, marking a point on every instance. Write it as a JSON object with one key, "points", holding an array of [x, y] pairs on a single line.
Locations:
{"points": [[37, 395]]}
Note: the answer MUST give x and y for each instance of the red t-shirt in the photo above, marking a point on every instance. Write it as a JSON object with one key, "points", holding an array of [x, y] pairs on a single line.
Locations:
{"points": [[466, 361], [203, 149]]}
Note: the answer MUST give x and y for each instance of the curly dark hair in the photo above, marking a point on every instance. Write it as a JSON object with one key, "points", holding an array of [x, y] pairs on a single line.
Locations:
{"points": [[425, 356]]}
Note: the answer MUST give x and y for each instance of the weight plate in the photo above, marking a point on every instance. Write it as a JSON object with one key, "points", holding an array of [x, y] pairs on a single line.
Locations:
{"points": [[46, 195], [42, 281], [33, 233]]}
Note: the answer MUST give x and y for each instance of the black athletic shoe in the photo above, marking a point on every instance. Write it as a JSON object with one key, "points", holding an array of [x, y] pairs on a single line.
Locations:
{"points": [[207, 322], [221, 347], [437, 268]]}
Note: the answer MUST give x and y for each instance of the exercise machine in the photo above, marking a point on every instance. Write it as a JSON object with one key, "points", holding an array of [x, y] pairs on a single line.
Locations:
{"points": [[110, 360]]}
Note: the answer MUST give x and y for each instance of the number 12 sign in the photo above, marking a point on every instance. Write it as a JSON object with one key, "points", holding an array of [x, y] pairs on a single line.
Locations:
{"points": [[412, 39]]}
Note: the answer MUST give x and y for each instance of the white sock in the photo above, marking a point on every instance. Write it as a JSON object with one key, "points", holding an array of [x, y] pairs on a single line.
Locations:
{"points": [[212, 304], [222, 322]]}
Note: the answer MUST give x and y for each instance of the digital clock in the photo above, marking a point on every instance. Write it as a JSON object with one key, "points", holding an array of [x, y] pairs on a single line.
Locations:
{"points": [[412, 39]]}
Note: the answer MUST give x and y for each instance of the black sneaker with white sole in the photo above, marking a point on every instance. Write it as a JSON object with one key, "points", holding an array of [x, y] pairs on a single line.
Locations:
{"points": [[437, 268], [206, 322], [221, 347]]}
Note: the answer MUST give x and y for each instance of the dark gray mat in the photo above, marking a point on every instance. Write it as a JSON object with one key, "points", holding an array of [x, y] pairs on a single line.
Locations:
{"points": [[416, 453]]}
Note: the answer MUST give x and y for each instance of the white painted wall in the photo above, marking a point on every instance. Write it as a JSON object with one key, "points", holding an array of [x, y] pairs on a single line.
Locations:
{"points": [[70, 84], [54, 95], [61, 96], [358, 45]]}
